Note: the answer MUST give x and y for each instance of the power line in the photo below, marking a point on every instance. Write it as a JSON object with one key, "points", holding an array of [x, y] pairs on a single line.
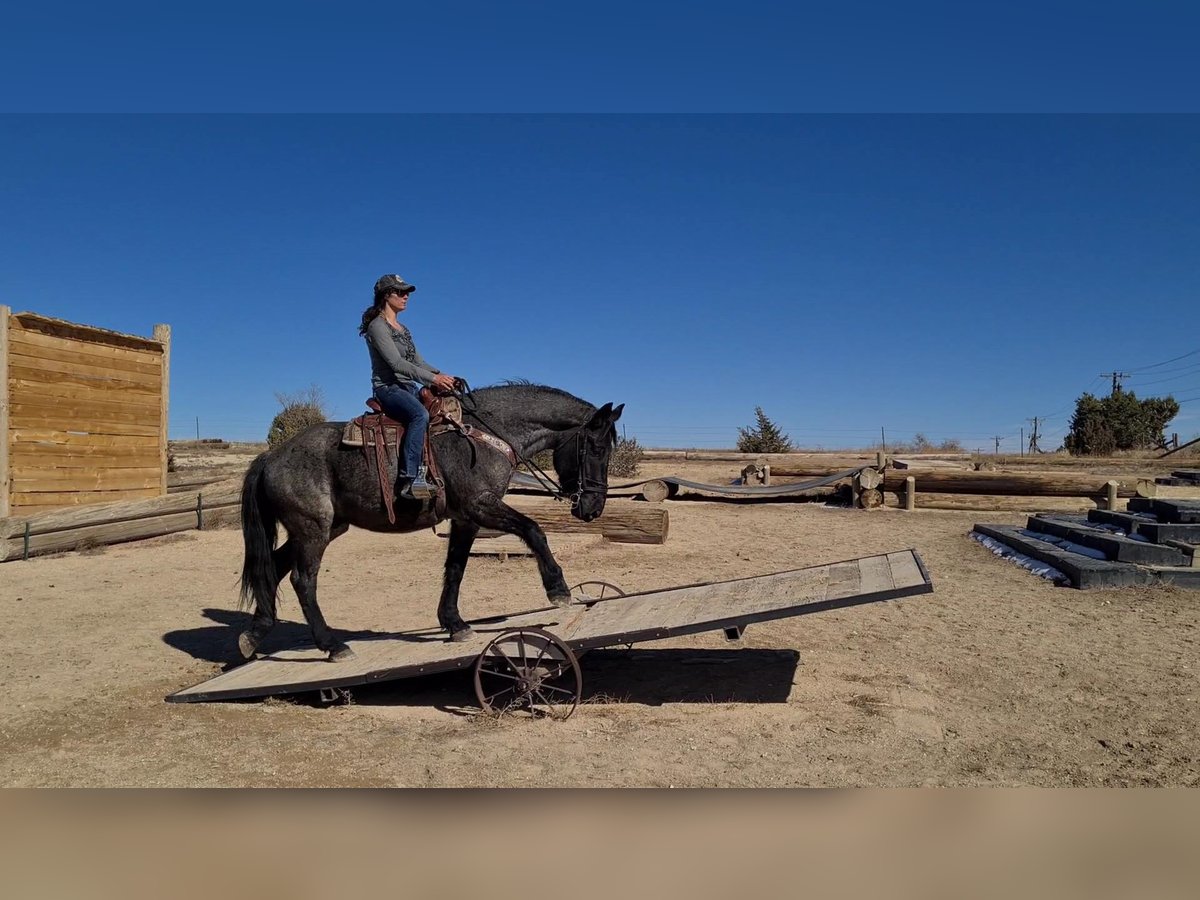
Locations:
{"points": [[1166, 361]]}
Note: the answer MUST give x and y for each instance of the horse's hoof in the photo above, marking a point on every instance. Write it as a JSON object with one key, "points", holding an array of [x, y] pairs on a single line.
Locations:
{"points": [[341, 654], [247, 645], [563, 601], [463, 634]]}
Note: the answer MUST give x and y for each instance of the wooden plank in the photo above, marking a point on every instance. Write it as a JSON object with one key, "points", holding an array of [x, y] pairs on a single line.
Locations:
{"points": [[875, 575], [23, 504], [46, 521], [115, 533], [844, 580], [162, 334], [61, 384], [86, 366], [81, 335], [50, 437], [5, 434], [109, 423], [30, 480], [54, 350], [905, 571], [28, 458], [136, 413], [53, 397]]}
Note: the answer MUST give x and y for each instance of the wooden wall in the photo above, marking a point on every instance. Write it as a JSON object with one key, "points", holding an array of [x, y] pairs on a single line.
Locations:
{"points": [[86, 412]]}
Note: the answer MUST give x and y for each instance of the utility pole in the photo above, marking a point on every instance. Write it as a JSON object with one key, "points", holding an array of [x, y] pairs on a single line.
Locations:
{"points": [[1033, 438], [997, 439], [882, 439], [1117, 377], [197, 428], [1022, 440]]}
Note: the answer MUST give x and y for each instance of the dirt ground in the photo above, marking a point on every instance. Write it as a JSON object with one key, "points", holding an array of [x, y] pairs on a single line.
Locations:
{"points": [[997, 678]]}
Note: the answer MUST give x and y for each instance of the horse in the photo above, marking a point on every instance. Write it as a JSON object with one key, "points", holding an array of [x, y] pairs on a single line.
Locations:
{"points": [[316, 488]]}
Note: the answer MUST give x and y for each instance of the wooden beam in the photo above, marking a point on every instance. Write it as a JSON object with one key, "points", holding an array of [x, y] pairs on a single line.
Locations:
{"points": [[162, 334], [221, 494], [5, 437]]}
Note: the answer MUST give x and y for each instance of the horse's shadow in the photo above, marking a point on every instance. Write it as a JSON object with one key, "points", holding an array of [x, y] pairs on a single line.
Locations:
{"points": [[650, 677], [217, 643]]}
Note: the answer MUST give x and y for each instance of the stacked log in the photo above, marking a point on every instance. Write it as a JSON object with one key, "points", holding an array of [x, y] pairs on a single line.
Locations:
{"points": [[1029, 484], [112, 523]]}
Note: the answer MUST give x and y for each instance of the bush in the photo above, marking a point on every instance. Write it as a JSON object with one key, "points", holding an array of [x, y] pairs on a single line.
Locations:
{"points": [[299, 411], [626, 458], [765, 437]]}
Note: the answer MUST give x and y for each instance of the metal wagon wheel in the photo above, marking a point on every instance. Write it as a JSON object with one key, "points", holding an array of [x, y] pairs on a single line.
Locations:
{"points": [[530, 671], [596, 590]]}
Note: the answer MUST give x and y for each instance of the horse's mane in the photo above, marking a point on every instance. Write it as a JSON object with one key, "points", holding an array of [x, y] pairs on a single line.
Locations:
{"points": [[526, 383]]}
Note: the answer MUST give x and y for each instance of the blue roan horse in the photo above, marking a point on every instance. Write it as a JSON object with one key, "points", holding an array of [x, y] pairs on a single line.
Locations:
{"points": [[316, 489]]}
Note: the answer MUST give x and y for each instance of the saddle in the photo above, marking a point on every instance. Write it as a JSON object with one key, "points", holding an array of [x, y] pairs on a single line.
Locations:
{"points": [[380, 435]]}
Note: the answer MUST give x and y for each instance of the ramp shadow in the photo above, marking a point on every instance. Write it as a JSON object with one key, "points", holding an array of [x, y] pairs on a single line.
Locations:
{"points": [[648, 677]]}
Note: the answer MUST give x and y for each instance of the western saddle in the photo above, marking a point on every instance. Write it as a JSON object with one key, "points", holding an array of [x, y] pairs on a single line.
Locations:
{"points": [[380, 435]]}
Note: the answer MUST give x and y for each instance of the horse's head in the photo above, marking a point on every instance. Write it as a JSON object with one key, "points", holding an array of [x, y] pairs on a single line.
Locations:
{"points": [[581, 462]]}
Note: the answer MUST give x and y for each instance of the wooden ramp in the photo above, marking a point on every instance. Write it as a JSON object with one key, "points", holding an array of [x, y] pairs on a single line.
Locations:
{"points": [[650, 615]]}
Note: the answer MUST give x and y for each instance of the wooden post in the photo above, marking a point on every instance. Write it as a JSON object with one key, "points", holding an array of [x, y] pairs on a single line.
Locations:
{"points": [[5, 482], [162, 334], [880, 459], [767, 475], [910, 493], [1111, 494]]}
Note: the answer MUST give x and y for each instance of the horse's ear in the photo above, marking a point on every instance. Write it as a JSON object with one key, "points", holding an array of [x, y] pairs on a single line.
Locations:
{"points": [[616, 413], [600, 417]]}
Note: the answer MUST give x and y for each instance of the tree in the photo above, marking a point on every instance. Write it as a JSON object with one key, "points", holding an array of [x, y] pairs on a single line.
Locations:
{"points": [[764, 438], [1119, 421], [300, 410]]}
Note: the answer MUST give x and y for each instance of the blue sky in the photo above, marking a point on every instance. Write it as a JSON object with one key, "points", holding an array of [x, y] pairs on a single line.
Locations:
{"points": [[562, 182], [953, 275]]}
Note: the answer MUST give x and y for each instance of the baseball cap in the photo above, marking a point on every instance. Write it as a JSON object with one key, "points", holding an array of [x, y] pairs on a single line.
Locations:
{"points": [[394, 283]]}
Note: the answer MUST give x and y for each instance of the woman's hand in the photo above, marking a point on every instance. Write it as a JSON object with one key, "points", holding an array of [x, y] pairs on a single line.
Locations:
{"points": [[444, 382]]}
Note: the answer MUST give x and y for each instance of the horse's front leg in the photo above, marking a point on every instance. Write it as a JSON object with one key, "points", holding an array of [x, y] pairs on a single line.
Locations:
{"points": [[462, 536], [491, 512]]}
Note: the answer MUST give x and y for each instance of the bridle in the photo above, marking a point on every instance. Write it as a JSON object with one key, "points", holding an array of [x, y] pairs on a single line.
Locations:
{"points": [[587, 484]]}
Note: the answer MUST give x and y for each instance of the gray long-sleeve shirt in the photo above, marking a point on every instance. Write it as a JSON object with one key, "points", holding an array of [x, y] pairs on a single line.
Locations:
{"points": [[394, 356]]}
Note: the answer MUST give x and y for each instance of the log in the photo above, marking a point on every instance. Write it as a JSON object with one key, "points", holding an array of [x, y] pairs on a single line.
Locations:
{"points": [[655, 491], [985, 503], [870, 498], [941, 481], [118, 532], [869, 479], [622, 521], [220, 494]]}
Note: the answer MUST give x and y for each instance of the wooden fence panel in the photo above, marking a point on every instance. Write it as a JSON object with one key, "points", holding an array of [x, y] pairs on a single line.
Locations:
{"points": [[84, 413]]}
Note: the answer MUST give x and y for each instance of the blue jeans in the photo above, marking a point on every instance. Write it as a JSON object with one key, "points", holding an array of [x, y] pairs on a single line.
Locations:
{"points": [[401, 403]]}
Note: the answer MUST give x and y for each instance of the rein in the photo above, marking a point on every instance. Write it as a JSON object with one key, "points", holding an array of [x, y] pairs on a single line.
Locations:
{"points": [[553, 487]]}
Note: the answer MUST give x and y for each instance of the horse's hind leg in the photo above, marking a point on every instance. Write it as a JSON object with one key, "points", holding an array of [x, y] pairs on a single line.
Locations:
{"points": [[264, 608], [310, 544]]}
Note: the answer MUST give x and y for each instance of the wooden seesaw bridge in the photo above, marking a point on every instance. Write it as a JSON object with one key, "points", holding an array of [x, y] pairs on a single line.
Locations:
{"points": [[528, 662]]}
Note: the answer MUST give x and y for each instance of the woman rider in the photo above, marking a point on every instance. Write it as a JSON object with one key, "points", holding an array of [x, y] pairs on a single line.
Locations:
{"points": [[398, 372]]}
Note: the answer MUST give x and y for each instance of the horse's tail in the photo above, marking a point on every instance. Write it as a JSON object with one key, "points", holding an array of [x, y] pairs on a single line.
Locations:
{"points": [[259, 535]]}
